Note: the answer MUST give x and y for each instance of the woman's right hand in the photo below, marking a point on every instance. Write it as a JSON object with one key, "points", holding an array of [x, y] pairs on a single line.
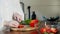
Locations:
{"points": [[13, 24]]}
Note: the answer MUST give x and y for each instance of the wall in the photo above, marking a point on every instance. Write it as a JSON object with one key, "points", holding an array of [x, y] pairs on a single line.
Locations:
{"points": [[43, 7]]}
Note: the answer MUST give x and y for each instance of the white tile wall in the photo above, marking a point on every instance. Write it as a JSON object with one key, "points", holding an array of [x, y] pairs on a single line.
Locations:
{"points": [[43, 7]]}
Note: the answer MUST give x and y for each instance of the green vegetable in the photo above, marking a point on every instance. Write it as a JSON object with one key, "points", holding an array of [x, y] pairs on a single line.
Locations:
{"points": [[26, 22], [45, 33]]}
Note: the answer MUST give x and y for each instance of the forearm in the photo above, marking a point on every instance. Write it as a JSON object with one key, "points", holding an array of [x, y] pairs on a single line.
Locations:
{"points": [[8, 24], [4, 26]]}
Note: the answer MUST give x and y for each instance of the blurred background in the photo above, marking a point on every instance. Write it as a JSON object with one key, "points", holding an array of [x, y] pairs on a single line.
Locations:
{"points": [[46, 8]]}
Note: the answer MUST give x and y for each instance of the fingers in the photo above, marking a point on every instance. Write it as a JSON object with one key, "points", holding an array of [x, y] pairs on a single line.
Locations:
{"points": [[18, 18], [14, 24]]}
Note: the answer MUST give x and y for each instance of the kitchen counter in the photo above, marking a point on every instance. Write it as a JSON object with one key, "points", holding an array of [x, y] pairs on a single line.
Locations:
{"points": [[28, 32], [17, 32]]}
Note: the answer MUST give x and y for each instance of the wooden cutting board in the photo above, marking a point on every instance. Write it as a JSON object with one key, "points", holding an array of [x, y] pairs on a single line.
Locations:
{"points": [[24, 29]]}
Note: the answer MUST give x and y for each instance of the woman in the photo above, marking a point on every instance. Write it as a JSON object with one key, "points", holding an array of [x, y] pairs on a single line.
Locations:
{"points": [[9, 9]]}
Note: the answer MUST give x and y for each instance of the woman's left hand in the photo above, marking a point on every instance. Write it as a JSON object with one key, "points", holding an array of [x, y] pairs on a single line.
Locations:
{"points": [[17, 17]]}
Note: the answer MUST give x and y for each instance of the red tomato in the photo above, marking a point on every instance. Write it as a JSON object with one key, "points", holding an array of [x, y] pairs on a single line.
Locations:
{"points": [[42, 30], [48, 30], [36, 21], [54, 30], [33, 22], [20, 26]]}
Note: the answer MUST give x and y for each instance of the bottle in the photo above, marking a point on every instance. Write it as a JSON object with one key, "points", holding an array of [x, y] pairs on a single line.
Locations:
{"points": [[33, 15]]}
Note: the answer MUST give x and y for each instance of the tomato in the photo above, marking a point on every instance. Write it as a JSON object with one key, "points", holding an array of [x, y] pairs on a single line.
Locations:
{"points": [[33, 22], [36, 21], [20, 26], [42, 30], [48, 30], [54, 30]]}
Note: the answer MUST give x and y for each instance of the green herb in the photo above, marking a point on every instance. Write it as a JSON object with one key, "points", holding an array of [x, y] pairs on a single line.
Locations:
{"points": [[45, 33], [26, 22]]}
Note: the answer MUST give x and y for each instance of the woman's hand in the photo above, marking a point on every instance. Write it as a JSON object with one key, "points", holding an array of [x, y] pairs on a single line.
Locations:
{"points": [[17, 17], [13, 24]]}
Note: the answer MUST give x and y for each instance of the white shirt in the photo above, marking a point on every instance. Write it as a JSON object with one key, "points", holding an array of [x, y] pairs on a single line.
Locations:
{"points": [[7, 9]]}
